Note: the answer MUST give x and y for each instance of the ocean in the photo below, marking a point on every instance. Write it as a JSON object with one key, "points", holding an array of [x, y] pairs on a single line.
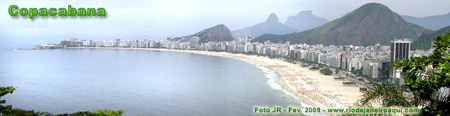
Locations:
{"points": [[140, 82]]}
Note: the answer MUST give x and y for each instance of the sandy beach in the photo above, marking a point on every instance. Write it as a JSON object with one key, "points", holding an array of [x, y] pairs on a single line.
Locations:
{"points": [[310, 86]]}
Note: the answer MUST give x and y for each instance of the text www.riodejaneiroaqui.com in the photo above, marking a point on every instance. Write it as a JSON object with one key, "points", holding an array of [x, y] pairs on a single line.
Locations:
{"points": [[308, 110]]}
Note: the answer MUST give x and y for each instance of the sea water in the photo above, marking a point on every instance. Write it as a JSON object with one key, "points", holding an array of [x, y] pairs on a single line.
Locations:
{"points": [[140, 82]]}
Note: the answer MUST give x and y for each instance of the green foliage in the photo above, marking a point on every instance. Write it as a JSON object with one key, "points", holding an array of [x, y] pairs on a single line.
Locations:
{"points": [[388, 94], [4, 91], [358, 72], [348, 82], [314, 68], [98, 112], [424, 76], [321, 65], [108, 112], [290, 60], [306, 61], [7, 110], [326, 71]]}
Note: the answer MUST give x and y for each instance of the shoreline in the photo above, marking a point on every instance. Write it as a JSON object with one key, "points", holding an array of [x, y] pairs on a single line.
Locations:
{"points": [[310, 86]]}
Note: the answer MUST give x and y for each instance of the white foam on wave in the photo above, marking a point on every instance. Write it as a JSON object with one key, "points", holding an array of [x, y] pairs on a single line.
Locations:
{"points": [[273, 81]]}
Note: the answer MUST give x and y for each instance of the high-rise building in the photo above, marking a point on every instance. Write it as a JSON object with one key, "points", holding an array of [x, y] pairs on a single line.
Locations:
{"points": [[384, 70], [74, 39], [370, 68], [117, 43], [194, 42], [399, 50], [91, 43]]}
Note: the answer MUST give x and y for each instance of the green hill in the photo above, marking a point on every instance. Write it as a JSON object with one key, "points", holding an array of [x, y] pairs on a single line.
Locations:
{"points": [[424, 41], [370, 24], [217, 33]]}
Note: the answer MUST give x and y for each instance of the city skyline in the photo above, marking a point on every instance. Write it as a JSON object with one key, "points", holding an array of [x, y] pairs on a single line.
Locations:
{"points": [[345, 57]]}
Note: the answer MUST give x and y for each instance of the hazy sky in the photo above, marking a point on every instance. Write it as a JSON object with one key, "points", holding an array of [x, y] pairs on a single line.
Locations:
{"points": [[158, 19]]}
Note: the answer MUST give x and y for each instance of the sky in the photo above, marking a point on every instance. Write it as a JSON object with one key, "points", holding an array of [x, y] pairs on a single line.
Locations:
{"points": [[159, 19]]}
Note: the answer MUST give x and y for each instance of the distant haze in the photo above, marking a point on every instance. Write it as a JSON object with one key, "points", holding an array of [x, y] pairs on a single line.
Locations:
{"points": [[159, 19]]}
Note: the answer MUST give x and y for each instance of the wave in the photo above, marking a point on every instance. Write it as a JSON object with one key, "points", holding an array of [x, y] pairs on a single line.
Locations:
{"points": [[273, 81]]}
